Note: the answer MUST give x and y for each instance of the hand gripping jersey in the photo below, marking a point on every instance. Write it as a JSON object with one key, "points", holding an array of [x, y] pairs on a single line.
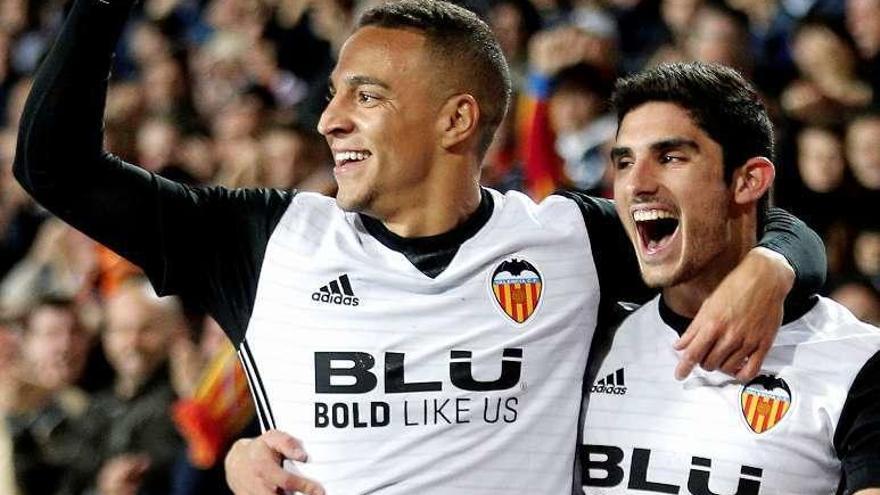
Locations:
{"points": [[645, 432], [401, 383]]}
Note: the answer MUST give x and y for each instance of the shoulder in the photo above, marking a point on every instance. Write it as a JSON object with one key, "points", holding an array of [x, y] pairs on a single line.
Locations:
{"points": [[313, 211], [549, 212], [829, 338]]}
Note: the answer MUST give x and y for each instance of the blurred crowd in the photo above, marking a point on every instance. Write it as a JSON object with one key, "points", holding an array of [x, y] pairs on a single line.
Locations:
{"points": [[107, 389]]}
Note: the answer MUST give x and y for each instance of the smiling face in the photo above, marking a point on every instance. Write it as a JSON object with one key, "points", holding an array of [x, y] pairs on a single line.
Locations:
{"points": [[382, 120], [671, 195]]}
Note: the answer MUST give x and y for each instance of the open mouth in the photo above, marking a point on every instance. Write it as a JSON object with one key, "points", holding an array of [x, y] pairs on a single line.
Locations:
{"points": [[343, 158], [656, 228]]}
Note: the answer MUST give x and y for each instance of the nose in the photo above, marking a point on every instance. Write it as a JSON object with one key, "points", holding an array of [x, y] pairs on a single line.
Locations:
{"points": [[641, 178], [335, 119]]}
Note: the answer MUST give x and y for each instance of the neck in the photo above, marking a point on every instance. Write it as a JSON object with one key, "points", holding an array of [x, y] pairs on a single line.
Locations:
{"points": [[444, 201], [687, 297], [127, 387]]}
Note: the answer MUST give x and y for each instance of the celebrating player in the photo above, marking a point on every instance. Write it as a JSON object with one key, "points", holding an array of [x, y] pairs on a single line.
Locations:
{"points": [[416, 327], [692, 175]]}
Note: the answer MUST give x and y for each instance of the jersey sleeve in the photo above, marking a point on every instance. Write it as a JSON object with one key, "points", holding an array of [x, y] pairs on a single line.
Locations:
{"points": [[204, 244], [802, 247], [617, 265], [857, 436]]}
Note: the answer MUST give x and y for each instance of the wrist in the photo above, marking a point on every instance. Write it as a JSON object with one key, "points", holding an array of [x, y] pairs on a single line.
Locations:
{"points": [[777, 264]]}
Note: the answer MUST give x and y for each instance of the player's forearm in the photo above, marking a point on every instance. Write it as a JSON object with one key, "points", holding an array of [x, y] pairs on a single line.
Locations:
{"points": [[60, 134], [801, 246]]}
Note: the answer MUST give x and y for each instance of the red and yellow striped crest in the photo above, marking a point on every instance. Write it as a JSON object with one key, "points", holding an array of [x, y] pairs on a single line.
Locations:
{"points": [[765, 400], [517, 287]]}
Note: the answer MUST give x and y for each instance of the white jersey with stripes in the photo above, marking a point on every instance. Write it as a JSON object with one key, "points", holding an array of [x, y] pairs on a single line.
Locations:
{"points": [[644, 432], [399, 383]]}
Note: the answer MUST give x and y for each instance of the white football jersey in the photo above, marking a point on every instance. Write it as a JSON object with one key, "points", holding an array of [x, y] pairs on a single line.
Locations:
{"points": [[645, 432], [398, 383]]}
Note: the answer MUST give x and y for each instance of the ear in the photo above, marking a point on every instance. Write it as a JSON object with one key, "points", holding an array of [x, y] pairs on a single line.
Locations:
{"points": [[752, 180], [459, 117]]}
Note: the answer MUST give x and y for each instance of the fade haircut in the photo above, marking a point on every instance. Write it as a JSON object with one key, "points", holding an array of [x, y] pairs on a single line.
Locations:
{"points": [[470, 54], [718, 99]]}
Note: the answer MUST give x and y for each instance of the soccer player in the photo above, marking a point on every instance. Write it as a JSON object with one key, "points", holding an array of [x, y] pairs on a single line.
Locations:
{"points": [[423, 334], [692, 175]]}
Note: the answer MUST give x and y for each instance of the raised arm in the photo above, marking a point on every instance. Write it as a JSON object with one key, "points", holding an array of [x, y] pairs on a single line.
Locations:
{"points": [[205, 244]]}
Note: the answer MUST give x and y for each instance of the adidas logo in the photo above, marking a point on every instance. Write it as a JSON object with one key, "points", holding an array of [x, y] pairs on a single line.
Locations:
{"points": [[614, 384], [336, 292]]}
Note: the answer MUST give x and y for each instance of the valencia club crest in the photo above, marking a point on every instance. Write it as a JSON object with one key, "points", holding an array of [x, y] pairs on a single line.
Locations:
{"points": [[765, 400], [517, 286]]}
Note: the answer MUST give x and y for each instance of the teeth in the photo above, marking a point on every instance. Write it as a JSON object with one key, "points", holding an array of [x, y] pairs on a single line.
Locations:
{"points": [[646, 215], [351, 156]]}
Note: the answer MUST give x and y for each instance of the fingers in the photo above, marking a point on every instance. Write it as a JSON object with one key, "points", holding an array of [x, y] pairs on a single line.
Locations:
{"points": [[296, 483], [288, 446], [696, 350], [686, 338], [735, 363], [254, 466], [753, 366]]}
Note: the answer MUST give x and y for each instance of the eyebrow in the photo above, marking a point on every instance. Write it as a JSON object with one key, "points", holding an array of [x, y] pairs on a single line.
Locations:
{"points": [[358, 80], [662, 145], [620, 151], [672, 143]]}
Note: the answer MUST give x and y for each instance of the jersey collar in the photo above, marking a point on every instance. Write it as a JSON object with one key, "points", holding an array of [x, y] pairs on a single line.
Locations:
{"points": [[432, 254]]}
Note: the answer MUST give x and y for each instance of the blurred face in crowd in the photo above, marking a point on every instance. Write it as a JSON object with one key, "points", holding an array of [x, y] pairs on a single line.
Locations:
{"points": [[866, 253], [54, 347], [506, 22], [715, 37], [138, 330], [678, 14], [280, 153], [863, 150], [820, 159], [156, 144], [382, 120], [572, 108], [863, 22], [819, 53], [163, 84], [859, 299], [670, 194]]}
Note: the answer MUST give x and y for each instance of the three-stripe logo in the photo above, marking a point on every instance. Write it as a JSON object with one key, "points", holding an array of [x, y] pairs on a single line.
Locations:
{"points": [[614, 383], [337, 291]]}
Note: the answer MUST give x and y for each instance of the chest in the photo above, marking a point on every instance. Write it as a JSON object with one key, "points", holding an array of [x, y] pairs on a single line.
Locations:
{"points": [[709, 433]]}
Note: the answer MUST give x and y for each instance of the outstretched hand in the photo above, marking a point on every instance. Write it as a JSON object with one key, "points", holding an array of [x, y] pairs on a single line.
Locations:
{"points": [[736, 325], [253, 466]]}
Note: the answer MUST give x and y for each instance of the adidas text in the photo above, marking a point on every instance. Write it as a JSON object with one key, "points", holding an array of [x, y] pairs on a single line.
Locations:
{"points": [[335, 299], [603, 389]]}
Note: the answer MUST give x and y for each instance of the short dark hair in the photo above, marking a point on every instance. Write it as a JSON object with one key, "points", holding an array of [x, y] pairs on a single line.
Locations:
{"points": [[466, 44], [719, 100]]}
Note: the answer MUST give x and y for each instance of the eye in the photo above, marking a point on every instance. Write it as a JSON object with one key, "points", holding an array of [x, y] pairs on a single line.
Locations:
{"points": [[366, 98], [623, 163], [669, 158], [329, 95]]}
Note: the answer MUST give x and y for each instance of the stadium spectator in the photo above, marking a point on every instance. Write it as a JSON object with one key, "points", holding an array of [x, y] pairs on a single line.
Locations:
{"points": [[39, 400], [126, 442], [829, 87]]}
